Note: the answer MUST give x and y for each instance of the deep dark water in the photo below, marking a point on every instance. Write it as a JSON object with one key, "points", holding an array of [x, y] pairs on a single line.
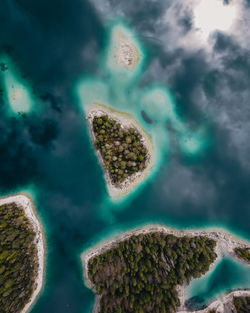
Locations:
{"points": [[54, 43]]}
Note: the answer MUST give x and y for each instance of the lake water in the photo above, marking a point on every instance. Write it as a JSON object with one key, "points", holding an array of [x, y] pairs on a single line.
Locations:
{"points": [[48, 153]]}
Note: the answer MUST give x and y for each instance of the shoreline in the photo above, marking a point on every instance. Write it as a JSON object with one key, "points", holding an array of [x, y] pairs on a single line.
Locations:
{"points": [[220, 303], [225, 244], [25, 201], [126, 120]]}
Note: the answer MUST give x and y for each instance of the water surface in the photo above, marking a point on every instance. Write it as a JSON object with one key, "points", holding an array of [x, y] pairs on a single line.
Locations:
{"points": [[49, 149]]}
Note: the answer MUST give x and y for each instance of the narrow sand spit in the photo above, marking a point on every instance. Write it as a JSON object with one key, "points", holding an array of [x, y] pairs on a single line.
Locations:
{"points": [[26, 203], [225, 244], [126, 120]]}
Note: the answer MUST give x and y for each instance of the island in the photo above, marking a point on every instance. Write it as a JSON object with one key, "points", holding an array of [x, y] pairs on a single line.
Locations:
{"points": [[124, 149], [124, 52], [21, 254], [148, 269]]}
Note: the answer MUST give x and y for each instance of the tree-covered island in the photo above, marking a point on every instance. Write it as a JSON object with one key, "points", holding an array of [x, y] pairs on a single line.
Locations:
{"points": [[141, 274], [19, 260], [123, 148]]}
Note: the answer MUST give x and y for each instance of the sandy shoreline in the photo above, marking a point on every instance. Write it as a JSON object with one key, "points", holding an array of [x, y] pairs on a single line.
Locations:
{"points": [[225, 244], [126, 120], [26, 203]]}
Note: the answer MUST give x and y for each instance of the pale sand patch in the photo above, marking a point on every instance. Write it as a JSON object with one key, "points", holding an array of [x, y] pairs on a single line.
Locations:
{"points": [[25, 201], [125, 52], [126, 120], [225, 244]]}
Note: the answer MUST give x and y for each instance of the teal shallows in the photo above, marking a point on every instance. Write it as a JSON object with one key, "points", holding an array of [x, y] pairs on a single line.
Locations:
{"points": [[159, 105], [31, 190], [92, 90], [227, 275], [192, 144], [89, 90], [17, 92]]}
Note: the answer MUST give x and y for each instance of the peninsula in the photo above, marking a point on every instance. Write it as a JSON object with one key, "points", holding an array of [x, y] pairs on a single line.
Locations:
{"points": [[148, 269], [21, 254], [124, 149]]}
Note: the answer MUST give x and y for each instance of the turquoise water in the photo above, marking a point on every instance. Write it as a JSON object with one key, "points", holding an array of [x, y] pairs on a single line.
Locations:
{"points": [[226, 276], [47, 151], [17, 93], [120, 90]]}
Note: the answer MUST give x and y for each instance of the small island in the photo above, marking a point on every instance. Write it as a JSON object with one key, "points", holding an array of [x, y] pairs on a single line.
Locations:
{"points": [[124, 149], [21, 255], [124, 51], [148, 269]]}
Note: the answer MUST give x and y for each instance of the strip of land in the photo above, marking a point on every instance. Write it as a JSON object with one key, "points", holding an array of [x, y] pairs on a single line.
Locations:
{"points": [[127, 121], [225, 245], [24, 201]]}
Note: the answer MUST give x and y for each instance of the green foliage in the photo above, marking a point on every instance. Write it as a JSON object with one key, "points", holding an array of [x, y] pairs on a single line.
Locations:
{"points": [[142, 272], [242, 304], [18, 259], [243, 253], [122, 150]]}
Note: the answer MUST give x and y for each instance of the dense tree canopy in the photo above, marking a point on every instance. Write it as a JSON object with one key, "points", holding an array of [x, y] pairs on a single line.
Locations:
{"points": [[122, 149], [141, 274], [18, 259], [242, 304]]}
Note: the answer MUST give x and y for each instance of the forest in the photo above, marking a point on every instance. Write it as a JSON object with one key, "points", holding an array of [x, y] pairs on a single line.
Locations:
{"points": [[18, 259], [141, 274], [122, 149], [242, 304]]}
